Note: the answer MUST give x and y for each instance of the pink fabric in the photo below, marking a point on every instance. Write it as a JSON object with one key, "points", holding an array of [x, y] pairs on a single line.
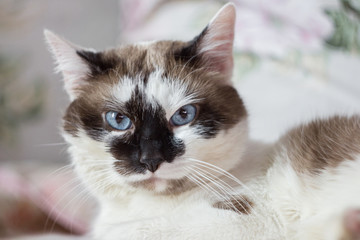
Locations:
{"points": [[53, 195]]}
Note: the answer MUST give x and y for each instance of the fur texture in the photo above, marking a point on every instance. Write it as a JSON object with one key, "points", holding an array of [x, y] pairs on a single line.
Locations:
{"points": [[206, 180]]}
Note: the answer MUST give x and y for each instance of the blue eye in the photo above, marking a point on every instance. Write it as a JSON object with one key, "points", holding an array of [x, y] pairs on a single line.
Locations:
{"points": [[117, 120], [184, 115]]}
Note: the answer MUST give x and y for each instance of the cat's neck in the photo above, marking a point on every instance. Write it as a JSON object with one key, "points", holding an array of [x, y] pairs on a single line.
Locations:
{"points": [[254, 162]]}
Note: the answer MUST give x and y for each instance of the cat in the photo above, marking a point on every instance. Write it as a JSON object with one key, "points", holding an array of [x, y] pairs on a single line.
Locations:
{"points": [[159, 135]]}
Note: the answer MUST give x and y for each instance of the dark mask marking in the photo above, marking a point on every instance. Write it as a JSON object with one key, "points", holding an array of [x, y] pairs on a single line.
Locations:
{"points": [[221, 111], [83, 114], [152, 142]]}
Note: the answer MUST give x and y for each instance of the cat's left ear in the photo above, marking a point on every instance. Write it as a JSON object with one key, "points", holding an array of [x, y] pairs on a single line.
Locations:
{"points": [[215, 43], [75, 63], [74, 69]]}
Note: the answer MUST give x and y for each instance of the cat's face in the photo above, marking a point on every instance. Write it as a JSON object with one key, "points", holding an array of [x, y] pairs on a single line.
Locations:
{"points": [[143, 116]]}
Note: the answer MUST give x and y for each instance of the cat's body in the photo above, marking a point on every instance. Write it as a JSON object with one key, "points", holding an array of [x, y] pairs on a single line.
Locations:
{"points": [[159, 135], [288, 200]]}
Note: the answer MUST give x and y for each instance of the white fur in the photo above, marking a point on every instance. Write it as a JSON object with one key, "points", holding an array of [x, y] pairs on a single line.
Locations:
{"points": [[189, 216], [313, 207], [287, 206], [121, 93]]}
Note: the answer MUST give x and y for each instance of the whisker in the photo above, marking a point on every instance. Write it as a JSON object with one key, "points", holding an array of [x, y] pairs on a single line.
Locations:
{"points": [[227, 195], [53, 208], [206, 185], [224, 173], [70, 191], [78, 195], [224, 189], [50, 144], [66, 205], [61, 170], [200, 184]]}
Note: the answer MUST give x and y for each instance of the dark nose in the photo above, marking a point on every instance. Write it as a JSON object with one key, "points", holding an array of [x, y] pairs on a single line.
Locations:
{"points": [[151, 154], [152, 164]]}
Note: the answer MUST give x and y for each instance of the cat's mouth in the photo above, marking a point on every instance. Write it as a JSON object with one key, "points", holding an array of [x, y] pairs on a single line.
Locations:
{"points": [[166, 171]]}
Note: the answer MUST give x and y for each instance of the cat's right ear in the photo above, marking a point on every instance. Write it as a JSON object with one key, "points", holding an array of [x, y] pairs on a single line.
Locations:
{"points": [[213, 48], [74, 69]]}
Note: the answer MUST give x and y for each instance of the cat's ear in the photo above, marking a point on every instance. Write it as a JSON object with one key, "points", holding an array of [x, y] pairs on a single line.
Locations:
{"points": [[214, 45], [69, 62]]}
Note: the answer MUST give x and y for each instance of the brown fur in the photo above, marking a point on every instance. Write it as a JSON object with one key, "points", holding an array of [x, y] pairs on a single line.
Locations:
{"points": [[323, 143], [239, 204]]}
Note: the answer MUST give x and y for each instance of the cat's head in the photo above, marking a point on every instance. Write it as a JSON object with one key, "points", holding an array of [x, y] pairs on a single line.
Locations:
{"points": [[147, 115]]}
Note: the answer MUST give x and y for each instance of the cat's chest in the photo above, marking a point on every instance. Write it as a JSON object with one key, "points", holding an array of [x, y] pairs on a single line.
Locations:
{"points": [[140, 206], [190, 217], [148, 215]]}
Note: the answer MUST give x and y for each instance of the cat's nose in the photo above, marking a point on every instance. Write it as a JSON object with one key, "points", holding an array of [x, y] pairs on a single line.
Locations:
{"points": [[152, 164], [151, 155]]}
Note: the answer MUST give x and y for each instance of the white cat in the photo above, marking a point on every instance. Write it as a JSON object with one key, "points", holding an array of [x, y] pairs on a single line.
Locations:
{"points": [[159, 135]]}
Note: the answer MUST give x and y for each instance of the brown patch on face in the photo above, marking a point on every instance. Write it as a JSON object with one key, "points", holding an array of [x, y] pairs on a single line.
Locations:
{"points": [[323, 143], [239, 204], [85, 112], [220, 107], [128, 60]]}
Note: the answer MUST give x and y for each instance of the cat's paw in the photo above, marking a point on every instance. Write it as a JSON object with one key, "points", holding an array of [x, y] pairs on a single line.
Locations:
{"points": [[238, 204], [352, 225]]}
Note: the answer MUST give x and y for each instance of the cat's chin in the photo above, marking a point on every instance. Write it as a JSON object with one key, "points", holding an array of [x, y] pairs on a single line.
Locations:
{"points": [[161, 185], [153, 184]]}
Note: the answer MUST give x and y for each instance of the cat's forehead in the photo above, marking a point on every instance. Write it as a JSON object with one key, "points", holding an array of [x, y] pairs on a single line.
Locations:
{"points": [[154, 89], [152, 69], [144, 57]]}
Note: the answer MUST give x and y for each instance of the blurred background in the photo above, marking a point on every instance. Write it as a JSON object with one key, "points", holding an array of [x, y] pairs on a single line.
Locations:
{"points": [[294, 60]]}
